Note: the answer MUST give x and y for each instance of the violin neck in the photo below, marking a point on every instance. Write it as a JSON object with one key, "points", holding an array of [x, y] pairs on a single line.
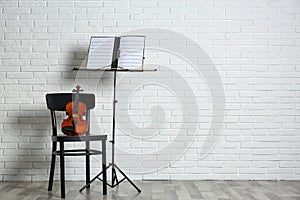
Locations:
{"points": [[75, 102]]}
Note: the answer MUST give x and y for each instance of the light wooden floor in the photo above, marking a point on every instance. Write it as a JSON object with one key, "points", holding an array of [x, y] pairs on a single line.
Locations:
{"points": [[158, 190]]}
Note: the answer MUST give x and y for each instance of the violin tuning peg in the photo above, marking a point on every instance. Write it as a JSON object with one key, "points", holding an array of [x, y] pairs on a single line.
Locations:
{"points": [[78, 89]]}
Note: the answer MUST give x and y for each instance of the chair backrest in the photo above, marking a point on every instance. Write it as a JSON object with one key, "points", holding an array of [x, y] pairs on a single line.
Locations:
{"points": [[58, 102]]}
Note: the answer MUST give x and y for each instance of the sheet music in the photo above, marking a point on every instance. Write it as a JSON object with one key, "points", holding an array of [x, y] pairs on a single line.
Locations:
{"points": [[131, 52], [100, 52]]}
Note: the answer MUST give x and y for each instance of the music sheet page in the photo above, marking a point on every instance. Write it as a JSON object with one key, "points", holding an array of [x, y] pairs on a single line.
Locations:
{"points": [[131, 52], [100, 52]]}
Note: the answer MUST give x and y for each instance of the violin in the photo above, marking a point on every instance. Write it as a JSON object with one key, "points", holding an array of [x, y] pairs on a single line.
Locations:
{"points": [[75, 124]]}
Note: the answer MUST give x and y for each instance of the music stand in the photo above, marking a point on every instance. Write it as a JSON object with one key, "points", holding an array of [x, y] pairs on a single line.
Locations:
{"points": [[114, 68]]}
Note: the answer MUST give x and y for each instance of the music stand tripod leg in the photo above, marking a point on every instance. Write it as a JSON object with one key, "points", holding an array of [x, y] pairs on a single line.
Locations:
{"points": [[89, 183], [114, 177], [127, 178]]}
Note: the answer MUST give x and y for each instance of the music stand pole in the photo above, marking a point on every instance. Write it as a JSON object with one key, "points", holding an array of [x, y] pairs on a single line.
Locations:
{"points": [[113, 173], [113, 165]]}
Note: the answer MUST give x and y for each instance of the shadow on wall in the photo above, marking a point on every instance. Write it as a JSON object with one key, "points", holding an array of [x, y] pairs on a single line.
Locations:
{"points": [[26, 151], [27, 138], [89, 81]]}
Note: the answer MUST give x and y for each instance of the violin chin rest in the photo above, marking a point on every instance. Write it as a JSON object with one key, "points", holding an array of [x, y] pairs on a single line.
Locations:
{"points": [[68, 129]]}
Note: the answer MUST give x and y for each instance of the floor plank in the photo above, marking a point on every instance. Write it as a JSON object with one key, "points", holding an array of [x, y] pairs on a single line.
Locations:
{"points": [[158, 190]]}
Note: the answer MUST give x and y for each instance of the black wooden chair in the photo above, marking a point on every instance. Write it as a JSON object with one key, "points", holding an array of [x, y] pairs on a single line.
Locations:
{"points": [[57, 102]]}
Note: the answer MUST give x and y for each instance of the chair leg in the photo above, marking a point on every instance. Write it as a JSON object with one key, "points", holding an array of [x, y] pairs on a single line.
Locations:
{"points": [[104, 167], [62, 169], [53, 158], [87, 164]]}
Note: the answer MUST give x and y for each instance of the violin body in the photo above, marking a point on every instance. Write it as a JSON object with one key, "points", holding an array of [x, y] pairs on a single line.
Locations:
{"points": [[75, 124]]}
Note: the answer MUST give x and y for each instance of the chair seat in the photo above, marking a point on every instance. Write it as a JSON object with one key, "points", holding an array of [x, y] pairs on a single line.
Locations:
{"points": [[79, 152], [63, 138]]}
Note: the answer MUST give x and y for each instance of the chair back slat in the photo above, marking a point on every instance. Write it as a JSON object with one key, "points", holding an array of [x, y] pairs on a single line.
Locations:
{"points": [[58, 101]]}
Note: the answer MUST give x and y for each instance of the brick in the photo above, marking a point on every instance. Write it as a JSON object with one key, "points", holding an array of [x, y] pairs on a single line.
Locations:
{"points": [[27, 44], [87, 4], [130, 23], [16, 178], [88, 30], [31, 4], [33, 171], [58, 4], [43, 49], [47, 23], [20, 23], [60, 29], [31, 146], [184, 23], [16, 165], [32, 17], [45, 36], [115, 16], [19, 75], [8, 4], [60, 16], [33, 55], [16, 10], [9, 30], [14, 62], [9, 55], [18, 36]]}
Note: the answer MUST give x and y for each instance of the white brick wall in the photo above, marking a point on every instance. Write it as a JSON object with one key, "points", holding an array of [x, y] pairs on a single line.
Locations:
{"points": [[254, 45]]}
